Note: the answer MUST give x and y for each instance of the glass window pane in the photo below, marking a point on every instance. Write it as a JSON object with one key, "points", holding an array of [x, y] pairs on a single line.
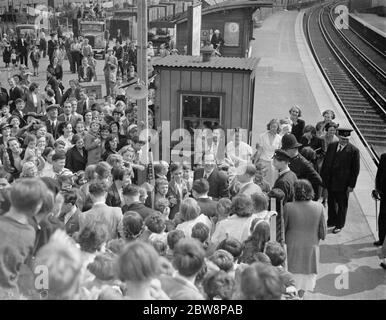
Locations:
{"points": [[211, 107], [191, 106]]}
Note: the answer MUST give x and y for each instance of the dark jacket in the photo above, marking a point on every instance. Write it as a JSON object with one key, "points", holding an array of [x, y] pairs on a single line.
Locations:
{"points": [[85, 75], [4, 97], [340, 170], [67, 95], [53, 129], [285, 183], [305, 170], [113, 199], [297, 130], [75, 161], [14, 94], [218, 183], [380, 179], [208, 206], [22, 48], [140, 208]]}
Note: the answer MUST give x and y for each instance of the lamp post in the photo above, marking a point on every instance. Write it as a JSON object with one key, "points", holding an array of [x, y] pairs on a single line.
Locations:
{"points": [[143, 77]]}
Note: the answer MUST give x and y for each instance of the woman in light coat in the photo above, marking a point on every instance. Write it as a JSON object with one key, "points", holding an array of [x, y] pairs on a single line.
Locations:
{"points": [[305, 226]]}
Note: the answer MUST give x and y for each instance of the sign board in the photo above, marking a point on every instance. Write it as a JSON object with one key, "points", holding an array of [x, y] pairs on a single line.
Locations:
{"points": [[194, 29], [232, 34]]}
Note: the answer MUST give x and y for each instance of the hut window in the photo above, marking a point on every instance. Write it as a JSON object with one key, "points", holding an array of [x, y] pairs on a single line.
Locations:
{"points": [[200, 111]]}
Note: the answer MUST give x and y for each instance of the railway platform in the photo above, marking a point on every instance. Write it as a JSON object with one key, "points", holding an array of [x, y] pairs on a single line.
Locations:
{"points": [[372, 21], [286, 75]]}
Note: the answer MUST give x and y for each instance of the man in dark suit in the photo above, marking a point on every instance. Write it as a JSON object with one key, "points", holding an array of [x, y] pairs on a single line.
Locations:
{"points": [[340, 171], [15, 92], [132, 203], [218, 181], [299, 165], [52, 121], [380, 188], [286, 180], [22, 48], [200, 193], [52, 44], [67, 115]]}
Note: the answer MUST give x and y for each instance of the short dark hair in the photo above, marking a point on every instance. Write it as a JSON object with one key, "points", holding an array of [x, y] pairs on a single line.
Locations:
{"points": [[155, 223], [232, 245], [131, 190], [310, 128], [103, 169], [261, 282], [200, 231], [303, 190], [331, 112], [173, 237], [59, 156], [92, 237], [250, 170], [260, 201], [118, 173], [222, 259], [132, 225], [27, 194], [97, 188], [70, 197], [201, 186], [275, 252], [174, 167], [188, 257], [219, 284]]}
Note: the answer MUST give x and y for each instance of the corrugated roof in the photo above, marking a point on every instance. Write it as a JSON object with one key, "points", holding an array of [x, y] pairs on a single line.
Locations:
{"points": [[180, 61], [226, 5]]}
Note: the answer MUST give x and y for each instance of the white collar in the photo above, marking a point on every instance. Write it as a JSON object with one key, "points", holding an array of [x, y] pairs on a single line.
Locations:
{"points": [[284, 171]]}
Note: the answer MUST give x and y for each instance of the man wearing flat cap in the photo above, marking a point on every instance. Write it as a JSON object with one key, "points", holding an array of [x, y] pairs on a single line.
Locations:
{"points": [[287, 178], [300, 165], [340, 171]]}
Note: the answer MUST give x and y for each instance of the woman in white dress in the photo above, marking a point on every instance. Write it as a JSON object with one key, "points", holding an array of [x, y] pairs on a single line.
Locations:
{"points": [[266, 145]]}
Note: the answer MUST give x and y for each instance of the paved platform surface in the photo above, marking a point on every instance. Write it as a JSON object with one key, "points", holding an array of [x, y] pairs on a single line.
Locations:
{"points": [[377, 23], [287, 75]]}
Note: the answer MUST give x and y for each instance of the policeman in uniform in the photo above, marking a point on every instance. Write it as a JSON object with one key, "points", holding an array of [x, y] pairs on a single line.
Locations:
{"points": [[340, 171], [300, 165], [287, 178]]}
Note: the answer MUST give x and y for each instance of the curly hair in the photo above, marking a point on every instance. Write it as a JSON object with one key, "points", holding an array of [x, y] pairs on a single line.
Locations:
{"points": [[242, 206], [219, 284], [303, 190]]}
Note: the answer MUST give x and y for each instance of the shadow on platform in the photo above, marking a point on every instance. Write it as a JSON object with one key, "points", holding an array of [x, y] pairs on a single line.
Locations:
{"points": [[360, 280], [345, 253]]}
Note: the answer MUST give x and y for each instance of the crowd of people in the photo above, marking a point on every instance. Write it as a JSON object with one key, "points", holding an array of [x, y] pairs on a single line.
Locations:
{"points": [[73, 199]]}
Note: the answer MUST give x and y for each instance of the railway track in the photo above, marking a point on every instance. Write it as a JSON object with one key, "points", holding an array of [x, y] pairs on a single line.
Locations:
{"points": [[358, 88]]}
